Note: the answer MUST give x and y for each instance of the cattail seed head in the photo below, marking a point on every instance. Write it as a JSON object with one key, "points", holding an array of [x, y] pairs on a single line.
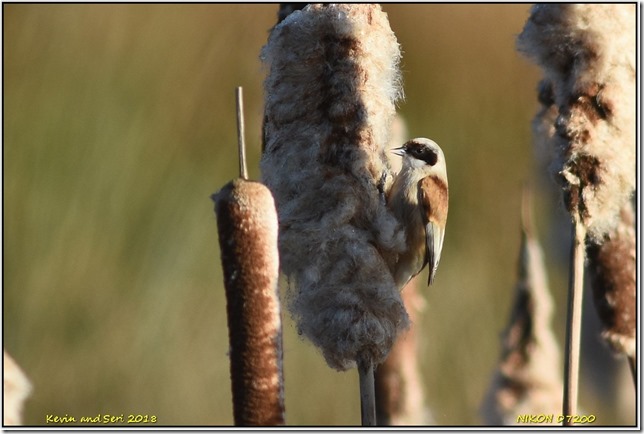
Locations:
{"points": [[612, 268], [16, 389], [587, 52], [247, 225], [330, 93]]}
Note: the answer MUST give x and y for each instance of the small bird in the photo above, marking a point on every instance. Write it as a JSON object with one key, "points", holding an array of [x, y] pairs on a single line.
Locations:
{"points": [[419, 199]]}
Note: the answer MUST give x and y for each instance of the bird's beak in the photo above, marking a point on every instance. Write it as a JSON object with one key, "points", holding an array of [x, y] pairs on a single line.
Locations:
{"points": [[399, 151]]}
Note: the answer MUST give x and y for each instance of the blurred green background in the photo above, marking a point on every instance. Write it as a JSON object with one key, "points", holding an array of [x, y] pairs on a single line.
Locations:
{"points": [[119, 122]]}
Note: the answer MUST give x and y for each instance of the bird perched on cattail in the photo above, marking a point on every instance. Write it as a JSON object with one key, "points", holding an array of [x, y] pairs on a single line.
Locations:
{"points": [[419, 199]]}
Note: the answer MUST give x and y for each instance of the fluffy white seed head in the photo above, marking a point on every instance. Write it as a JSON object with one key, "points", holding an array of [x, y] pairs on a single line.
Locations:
{"points": [[16, 389], [587, 52], [331, 89]]}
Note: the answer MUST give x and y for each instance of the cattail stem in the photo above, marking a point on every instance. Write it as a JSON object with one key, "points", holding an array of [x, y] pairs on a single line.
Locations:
{"points": [[573, 320], [367, 392], [241, 141], [632, 362], [400, 397]]}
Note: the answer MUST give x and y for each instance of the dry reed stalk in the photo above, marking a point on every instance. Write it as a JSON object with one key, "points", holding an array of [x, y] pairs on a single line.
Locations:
{"points": [[400, 398], [367, 392], [241, 139], [612, 269], [16, 389], [573, 319], [528, 378], [587, 52], [332, 84]]}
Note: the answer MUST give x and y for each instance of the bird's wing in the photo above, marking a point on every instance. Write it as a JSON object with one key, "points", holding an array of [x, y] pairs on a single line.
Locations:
{"points": [[434, 245], [433, 200]]}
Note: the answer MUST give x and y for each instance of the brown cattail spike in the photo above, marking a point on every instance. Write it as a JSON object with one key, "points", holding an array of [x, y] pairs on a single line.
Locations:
{"points": [[247, 224], [528, 378], [612, 269]]}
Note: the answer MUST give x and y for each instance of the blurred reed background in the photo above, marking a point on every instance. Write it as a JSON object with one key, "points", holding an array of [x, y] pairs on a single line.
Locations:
{"points": [[119, 122]]}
